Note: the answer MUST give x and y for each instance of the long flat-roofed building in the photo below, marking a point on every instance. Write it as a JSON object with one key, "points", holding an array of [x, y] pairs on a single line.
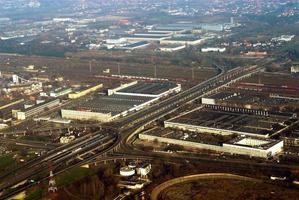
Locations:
{"points": [[228, 122], [60, 92], [153, 89], [149, 38], [37, 109], [105, 108], [128, 97], [249, 146], [134, 45], [83, 92], [183, 40]]}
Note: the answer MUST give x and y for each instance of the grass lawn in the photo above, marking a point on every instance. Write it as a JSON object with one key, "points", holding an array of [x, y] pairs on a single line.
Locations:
{"points": [[6, 161], [38, 138], [71, 176]]}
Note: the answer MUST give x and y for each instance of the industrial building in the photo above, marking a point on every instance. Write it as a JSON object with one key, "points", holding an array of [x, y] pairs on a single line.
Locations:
{"points": [[254, 147], [85, 91], [134, 45], [148, 38], [145, 89], [6, 108], [191, 26], [60, 92], [172, 48], [37, 109], [141, 169], [295, 69], [227, 121], [184, 40], [120, 101], [155, 33], [167, 30], [213, 49]]}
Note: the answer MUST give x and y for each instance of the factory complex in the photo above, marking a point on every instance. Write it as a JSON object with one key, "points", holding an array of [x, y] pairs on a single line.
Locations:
{"points": [[166, 37], [119, 101]]}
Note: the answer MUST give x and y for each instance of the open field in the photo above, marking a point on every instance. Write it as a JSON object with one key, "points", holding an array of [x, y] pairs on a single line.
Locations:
{"points": [[274, 78], [81, 68]]}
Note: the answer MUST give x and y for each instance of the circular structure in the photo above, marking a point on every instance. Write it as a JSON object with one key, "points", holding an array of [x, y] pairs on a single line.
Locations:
{"points": [[132, 165], [158, 189], [216, 186], [126, 171]]}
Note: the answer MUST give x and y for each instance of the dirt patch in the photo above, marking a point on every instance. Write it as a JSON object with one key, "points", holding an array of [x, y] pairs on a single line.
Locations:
{"points": [[228, 189]]}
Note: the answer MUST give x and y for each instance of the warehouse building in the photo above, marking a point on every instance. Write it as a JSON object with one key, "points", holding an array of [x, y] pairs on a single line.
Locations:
{"points": [[253, 147], [37, 109], [106, 108], [60, 92], [213, 49], [154, 33], [146, 89], [150, 38], [172, 48], [84, 92], [228, 122], [134, 45], [191, 41], [121, 101], [216, 98]]}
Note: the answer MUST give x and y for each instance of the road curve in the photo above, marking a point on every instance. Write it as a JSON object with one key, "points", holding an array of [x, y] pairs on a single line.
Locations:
{"points": [[158, 189]]}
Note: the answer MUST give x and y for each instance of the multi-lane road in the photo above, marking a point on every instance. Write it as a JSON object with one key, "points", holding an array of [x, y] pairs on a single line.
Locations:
{"points": [[97, 144], [59, 158]]}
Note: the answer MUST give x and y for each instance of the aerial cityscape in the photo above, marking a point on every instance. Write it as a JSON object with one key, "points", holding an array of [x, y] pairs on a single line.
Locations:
{"points": [[149, 99]]}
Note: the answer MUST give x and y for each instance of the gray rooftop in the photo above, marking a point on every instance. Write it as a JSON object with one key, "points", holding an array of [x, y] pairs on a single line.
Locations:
{"points": [[114, 103], [154, 88]]}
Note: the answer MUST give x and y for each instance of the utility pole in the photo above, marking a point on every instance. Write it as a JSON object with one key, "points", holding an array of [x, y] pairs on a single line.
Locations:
{"points": [[90, 67], [155, 71], [118, 68], [52, 188], [192, 73], [259, 77]]}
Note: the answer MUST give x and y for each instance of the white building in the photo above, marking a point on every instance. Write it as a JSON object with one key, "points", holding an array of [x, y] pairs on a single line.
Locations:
{"points": [[283, 38], [263, 148], [172, 48], [144, 169], [213, 49], [295, 69], [183, 41], [126, 171], [37, 109], [66, 139]]}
